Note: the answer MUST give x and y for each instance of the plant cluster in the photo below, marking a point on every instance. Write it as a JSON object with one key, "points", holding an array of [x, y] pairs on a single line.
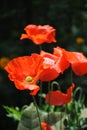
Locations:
{"points": [[31, 72]]}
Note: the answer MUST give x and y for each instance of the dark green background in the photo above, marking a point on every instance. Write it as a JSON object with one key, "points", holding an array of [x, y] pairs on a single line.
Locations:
{"points": [[68, 17]]}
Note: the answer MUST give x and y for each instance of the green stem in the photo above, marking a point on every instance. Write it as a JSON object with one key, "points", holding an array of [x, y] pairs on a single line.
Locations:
{"points": [[49, 90], [59, 87], [61, 121], [40, 46], [37, 111], [80, 93], [55, 83], [71, 76], [40, 102], [49, 86], [48, 97]]}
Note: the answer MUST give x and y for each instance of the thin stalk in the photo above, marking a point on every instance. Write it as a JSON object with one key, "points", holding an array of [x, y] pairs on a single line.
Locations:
{"points": [[49, 90], [55, 83], [71, 76], [40, 101], [37, 111], [61, 121], [48, 97], [59, 87], [40, 46], [80, 93]]}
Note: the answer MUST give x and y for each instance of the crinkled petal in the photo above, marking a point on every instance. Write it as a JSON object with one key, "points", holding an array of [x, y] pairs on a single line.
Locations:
{"points": [[21, 67], [78, 62], [50, 68], [39, 34], [25, 86], [62, 62], [58, 98]]}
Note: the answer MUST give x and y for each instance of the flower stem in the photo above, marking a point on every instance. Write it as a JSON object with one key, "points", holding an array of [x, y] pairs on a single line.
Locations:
{"points": [[71, 76], [40, 101], [40, 46], [48, 98], [61, 121], [37, 111]]}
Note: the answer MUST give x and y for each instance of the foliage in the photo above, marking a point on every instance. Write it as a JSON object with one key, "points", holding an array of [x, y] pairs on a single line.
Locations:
{"points": [[68, 117], [13, 112]]}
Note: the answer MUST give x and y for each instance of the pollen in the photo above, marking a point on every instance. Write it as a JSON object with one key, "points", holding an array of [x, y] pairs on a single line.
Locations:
{"points": [[29, 79]]}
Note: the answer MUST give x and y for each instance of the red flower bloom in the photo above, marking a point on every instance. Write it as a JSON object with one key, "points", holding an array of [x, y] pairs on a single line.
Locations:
{"points": [[53, 65], [45, 126], [24, 72], [78, 62], [39, 34], [63, 64], [58, 98], [50, 67]]}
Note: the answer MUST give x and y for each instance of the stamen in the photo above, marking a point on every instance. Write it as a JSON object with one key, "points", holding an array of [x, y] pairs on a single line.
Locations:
{"points": [[29, 79]]}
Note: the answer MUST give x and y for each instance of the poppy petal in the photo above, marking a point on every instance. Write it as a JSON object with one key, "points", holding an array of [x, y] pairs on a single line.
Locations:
{"points": [[23, 36], [39, 34], [25, 71], [58, 98], [79, 68], [69, 94], [78, 62], [63, 64], [45, 126], [48, 74], [25, 86], [50, 69]]}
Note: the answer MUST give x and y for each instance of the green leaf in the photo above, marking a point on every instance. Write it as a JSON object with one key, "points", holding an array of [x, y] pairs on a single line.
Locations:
{"points": [[14, 113]]}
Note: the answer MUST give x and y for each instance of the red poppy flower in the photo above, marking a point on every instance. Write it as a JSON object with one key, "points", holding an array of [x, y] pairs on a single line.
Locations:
{"points": [[78, 62], [53, 65], [45, 126], [39, 34], [24, 72], [50, 67], [63, 64], [58, 98]]}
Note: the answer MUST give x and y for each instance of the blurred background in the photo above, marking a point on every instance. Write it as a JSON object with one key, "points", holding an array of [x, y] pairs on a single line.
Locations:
{"points": [[68, 17]]}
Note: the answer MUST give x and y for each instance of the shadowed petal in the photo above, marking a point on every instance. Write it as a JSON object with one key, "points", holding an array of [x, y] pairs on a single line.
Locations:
{"points": [[58, 98]]}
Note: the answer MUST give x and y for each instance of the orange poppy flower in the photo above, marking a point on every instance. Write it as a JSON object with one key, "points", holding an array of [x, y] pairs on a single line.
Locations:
{"points": [[50, 71], [24, 72], [45, 126], [63, 64], [39, 34], [53, 65], [78, 62], [58, 98]]}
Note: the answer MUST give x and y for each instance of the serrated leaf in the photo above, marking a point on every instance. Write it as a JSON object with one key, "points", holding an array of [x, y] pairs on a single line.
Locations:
{"points": [[12, 112]]}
